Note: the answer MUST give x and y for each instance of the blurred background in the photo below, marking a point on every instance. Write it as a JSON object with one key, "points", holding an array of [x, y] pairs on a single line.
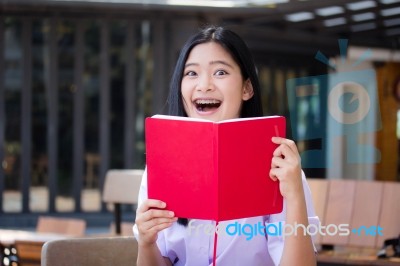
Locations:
{"points": [[78, 78]]}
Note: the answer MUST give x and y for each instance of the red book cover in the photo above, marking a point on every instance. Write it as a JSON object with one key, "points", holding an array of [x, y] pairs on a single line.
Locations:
{"points": [[213, 170]]}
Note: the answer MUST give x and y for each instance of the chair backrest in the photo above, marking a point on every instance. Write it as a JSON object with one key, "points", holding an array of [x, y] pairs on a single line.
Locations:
{"points": [[28, 252], [61, 225], [366, 210], [389, 218], [319, 192], [101, 251], [122, 186], [339, 209]]}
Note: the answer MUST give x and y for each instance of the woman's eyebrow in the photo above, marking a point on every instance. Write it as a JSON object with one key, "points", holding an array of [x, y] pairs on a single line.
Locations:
{"points": [[191, 64], [211, 63], [221, 62]]}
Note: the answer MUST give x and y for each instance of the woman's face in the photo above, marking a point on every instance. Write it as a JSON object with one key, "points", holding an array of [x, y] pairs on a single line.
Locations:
{"points": [[212, 85]]}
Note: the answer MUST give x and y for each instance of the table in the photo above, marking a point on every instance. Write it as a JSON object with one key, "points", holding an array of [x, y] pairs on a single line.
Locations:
{"points": [[8, 237], [27, 244]]}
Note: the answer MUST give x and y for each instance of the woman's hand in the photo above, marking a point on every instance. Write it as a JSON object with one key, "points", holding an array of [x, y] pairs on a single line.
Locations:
{"points": [[286, 167], [151, 219]]}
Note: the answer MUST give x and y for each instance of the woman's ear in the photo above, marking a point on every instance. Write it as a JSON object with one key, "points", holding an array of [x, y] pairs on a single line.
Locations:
{"points": [[248, 91]]}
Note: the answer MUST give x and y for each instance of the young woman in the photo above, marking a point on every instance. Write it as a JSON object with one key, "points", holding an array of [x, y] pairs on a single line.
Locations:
{"points": [[215, 78]]}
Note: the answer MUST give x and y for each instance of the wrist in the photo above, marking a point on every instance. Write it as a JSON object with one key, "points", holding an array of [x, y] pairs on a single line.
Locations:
{"points": [[146, 244]]}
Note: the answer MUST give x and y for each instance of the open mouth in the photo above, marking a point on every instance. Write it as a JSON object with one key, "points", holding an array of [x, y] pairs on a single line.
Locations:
{"points": [[205, 105]]}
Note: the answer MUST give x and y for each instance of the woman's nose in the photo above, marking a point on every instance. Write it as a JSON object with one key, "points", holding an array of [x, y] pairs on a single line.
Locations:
{"points": [[205, 84]]}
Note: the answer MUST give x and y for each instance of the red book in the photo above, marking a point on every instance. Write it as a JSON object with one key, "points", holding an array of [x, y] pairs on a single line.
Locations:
{"points": [[213, 170]]}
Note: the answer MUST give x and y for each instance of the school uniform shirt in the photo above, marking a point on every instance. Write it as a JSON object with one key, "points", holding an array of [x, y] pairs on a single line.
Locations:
{"points": [[240, 242]]}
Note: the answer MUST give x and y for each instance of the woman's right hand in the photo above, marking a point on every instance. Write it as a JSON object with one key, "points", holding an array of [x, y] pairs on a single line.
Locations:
{"points": [[151, 218]]}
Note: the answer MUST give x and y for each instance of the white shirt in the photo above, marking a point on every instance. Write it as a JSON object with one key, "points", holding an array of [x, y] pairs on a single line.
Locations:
{"points": [[193, 245]]}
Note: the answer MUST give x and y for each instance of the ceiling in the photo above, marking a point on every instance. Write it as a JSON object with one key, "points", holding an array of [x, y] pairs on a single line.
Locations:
{"points": [[371, 23], [300, 26]]}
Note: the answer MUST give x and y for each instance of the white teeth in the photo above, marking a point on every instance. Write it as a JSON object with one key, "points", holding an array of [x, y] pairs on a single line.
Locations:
{"points": [[207, 101]]}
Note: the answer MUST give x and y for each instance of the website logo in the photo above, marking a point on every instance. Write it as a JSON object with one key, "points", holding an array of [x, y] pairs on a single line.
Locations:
{"points": [[249, 231], [343, 104]]}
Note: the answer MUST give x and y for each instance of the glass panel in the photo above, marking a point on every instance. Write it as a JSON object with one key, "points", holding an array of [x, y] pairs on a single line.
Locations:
{"points": [[91, 87], [117, 92], [65, 45], [12, 93], [39, 190], [144, 75]]}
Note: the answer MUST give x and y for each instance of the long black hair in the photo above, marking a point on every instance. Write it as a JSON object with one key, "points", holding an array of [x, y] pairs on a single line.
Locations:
{"points": [[239, 51]]}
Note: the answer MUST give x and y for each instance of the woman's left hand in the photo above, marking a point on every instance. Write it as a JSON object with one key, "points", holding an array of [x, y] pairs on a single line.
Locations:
{"points": [[286, 167]]}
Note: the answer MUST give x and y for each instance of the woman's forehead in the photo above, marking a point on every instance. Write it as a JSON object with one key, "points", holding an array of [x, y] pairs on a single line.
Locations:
{"points": [[211, 51]]}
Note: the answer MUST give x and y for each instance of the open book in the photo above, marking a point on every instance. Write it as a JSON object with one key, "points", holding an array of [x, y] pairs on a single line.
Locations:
{"points": [[213, 170]]}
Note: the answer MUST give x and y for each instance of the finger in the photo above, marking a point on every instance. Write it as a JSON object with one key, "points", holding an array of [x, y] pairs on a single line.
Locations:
{"points": [[283, 151], [157, 228], [279, 162], [275, 173], [151, 203], [154, 223], [273, 177], [290, 143], [155, 213], [152, 214], [149, 218], [286, 152]]}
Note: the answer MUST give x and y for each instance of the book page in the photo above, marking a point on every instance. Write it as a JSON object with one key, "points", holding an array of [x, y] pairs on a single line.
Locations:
{"points": [[182, 118]]}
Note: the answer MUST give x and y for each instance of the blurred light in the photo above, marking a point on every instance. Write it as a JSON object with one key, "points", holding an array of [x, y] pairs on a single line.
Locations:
{"points": [[300, 16], [329, 11], [391, 22], [7, 251], [363, 16], [6, 261], [386, 2], [14, 250], [210, 3], [361, 5], [363, 27], [378, 54], [334, 22], [224, 3], [390, 11]]}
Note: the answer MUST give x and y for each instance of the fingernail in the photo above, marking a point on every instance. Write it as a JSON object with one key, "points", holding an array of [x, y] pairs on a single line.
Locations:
{"points": [[163, 204], [171, 214]]}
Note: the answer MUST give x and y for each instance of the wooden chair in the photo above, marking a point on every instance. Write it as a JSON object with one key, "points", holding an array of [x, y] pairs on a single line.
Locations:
{"points": [[100, 251], [339, 208], [389, 218], [361, 205], [61, 225], [366, 211], [121, 187], [28, 252], [319, 191]]}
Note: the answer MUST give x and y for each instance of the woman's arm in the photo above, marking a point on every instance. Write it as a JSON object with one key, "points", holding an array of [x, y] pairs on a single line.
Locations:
{"points": [[298, 248], [150, 255], [151, 219]]}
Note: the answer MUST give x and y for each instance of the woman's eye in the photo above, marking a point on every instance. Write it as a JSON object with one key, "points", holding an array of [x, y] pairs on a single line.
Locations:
{"points": [[190, 73], [220, 73]]}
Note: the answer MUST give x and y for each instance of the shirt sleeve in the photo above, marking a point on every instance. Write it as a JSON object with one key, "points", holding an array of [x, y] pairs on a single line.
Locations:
{"points": [[276, 241], [142, 197]]}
